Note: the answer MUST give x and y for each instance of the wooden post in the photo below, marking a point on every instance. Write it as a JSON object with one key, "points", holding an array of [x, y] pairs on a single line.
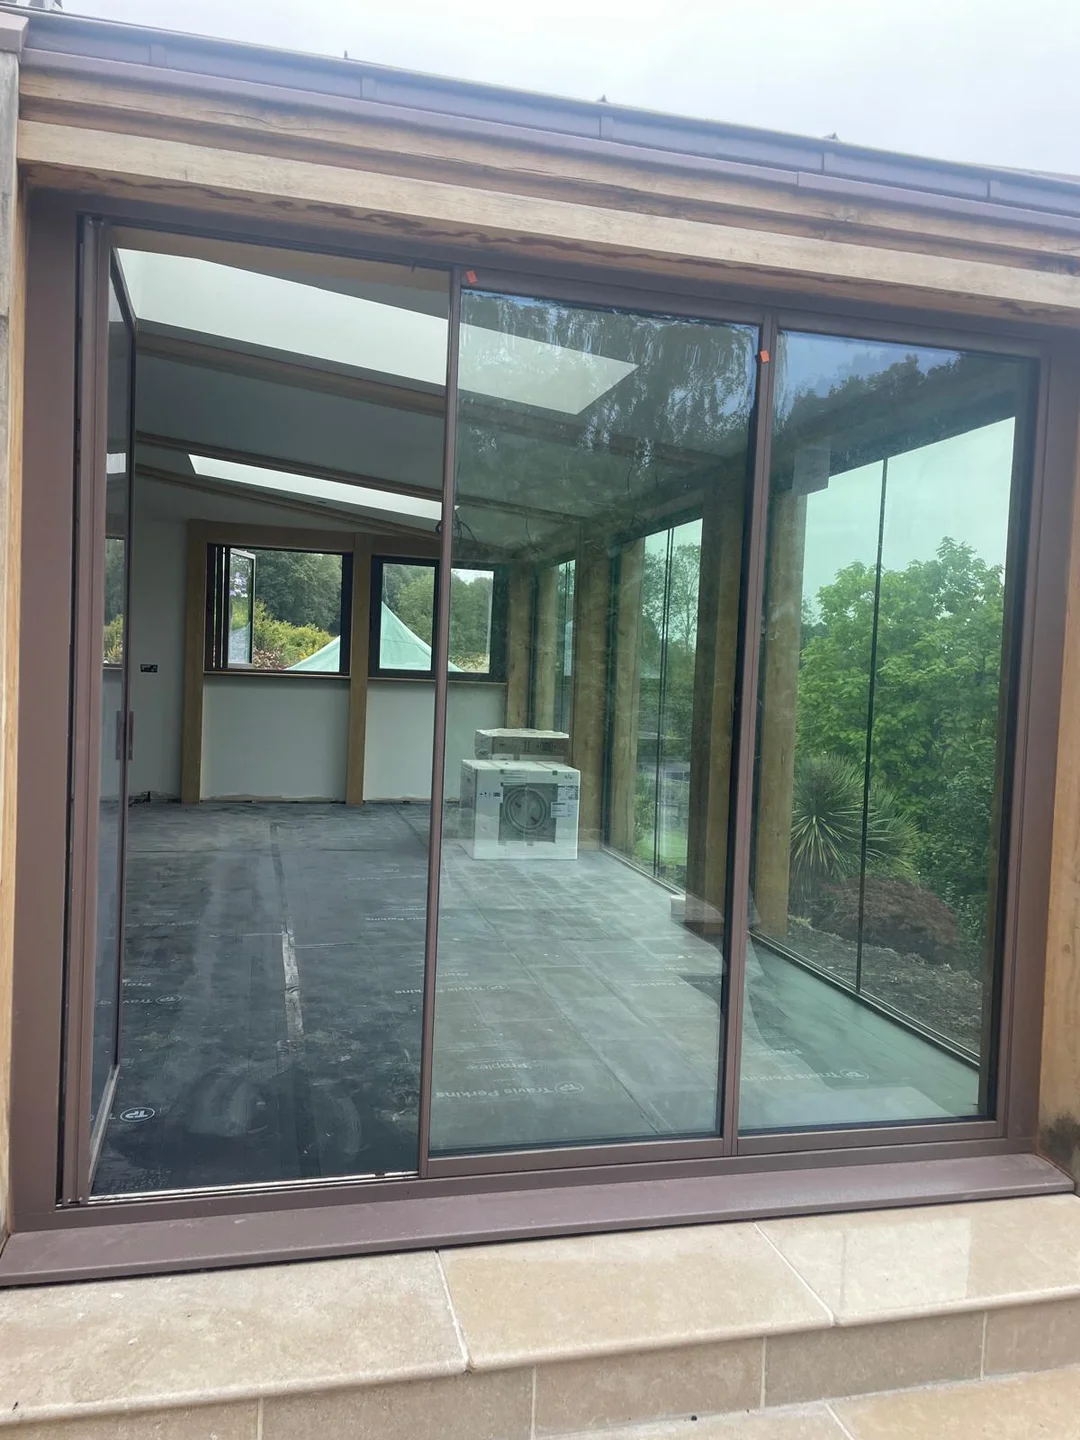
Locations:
{"points": [[547, 647], [776, 763], [592, 598], [359, 645], [12, 337], [626, 696], [714, 704], [1059, 1088], [191, 733], [518, 645]]}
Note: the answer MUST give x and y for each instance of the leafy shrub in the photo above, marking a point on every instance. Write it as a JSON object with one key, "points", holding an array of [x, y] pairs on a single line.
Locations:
{"points": [[277, 644], [114, 641], [897, 915]]}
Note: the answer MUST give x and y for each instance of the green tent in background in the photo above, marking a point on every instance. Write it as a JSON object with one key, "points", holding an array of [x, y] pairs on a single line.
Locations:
{"points": [[399, 649]]}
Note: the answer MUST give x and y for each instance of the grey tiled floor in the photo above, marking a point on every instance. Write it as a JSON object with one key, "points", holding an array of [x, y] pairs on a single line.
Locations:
{"points": [[272, 1007]]}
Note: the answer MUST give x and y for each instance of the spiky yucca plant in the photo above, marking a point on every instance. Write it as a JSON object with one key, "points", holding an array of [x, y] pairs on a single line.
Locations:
{"points": [[827, 826]]}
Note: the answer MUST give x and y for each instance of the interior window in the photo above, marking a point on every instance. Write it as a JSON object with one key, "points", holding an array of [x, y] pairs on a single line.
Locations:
{"points": [[278, 610], [404, 616], [403, 619]]}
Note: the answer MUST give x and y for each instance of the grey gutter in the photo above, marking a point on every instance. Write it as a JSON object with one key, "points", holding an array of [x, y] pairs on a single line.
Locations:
{"points": [[73, 45]]}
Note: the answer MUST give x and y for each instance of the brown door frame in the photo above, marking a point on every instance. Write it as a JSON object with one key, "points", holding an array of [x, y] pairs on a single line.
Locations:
{"points": [[41, 860]]}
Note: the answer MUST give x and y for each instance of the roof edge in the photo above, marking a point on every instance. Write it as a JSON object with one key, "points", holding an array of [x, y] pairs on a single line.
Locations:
{"points": [[53, 40]]}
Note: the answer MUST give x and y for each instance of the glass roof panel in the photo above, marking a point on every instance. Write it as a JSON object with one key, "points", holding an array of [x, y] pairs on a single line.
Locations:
{"points": [[184, 292], [311, 487]]}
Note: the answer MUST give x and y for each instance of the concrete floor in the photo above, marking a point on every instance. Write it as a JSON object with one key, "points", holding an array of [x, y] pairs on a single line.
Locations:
{"points": [[272, 1004]]}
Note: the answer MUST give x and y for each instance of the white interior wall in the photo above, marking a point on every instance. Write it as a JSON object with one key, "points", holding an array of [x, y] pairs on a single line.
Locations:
{"points": [[111, 703], [158, 559], [400, 730], [275, 737]]}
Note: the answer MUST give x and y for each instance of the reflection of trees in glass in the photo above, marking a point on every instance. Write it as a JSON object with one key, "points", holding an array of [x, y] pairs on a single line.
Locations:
{"points": [[667, 651], [863, 416], [646, 438], [935, 721], [562, 700]]}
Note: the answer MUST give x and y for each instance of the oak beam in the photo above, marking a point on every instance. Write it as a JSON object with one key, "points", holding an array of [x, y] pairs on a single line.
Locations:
{"points": [[626, 696], [776, 759], [442, 213], [588, 729]]}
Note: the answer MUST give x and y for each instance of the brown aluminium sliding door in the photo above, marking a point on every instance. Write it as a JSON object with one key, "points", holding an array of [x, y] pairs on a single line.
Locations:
{"points": [[101, 749]]}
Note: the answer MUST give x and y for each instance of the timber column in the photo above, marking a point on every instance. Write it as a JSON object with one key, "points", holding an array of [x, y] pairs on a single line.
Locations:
{"points": [[776, 762], [588, 724], [714, 706], [12, 287]]}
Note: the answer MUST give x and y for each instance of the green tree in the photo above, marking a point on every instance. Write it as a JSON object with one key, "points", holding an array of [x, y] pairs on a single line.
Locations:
{"points": [[409, 590], [114, 578], [470, 621], [935, 717], [302, 587]]}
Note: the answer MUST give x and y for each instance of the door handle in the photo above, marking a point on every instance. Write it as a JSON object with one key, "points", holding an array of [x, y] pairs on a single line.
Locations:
{"points": [[131, 735], [119, 735]]}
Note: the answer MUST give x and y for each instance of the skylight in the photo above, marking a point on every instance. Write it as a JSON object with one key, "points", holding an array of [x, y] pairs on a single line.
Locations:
{"points": [[310, 487], [184, 292]]}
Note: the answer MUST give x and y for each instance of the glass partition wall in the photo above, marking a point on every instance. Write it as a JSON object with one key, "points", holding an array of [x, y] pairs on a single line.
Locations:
{"points": [[871, 969], [584, 959], [677, 822], [577, 1000]]}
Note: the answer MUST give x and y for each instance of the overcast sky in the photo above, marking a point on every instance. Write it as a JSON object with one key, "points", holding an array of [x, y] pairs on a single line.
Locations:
{"points": [[996, 81]]}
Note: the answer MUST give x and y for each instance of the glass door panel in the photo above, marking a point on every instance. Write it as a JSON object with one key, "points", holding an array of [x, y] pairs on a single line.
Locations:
{"points": [[872, 964], [578, 997], [665, 599], [115, 719], [275, 875]]}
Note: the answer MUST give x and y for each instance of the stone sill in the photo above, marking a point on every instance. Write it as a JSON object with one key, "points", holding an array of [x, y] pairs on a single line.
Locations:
{"points": [[554, 1337]]}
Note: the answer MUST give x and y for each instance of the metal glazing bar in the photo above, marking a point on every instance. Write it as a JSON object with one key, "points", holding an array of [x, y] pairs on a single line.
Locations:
{"points": [[438, 758], [736, 927]]}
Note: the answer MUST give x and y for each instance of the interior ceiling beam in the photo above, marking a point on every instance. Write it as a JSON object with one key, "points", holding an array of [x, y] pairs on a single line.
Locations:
{"points": [[665, 505], [286, 467], [342, 477], [296, 373], [864, 428], [292, 371], [349, 519]]}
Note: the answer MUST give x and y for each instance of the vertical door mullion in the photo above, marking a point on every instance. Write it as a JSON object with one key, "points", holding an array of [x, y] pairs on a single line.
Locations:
{"points": [[127, 724], [749, 655], [438, 759], [86, 721]]}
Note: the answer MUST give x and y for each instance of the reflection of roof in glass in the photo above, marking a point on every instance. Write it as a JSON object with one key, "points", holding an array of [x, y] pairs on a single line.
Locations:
{"points": [[311, 487], [184, 292], [400, 649]]}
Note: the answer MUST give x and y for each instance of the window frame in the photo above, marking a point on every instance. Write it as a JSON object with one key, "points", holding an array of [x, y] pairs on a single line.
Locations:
{"points": [[496, 671], [463, 1202], [218, 561]]}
